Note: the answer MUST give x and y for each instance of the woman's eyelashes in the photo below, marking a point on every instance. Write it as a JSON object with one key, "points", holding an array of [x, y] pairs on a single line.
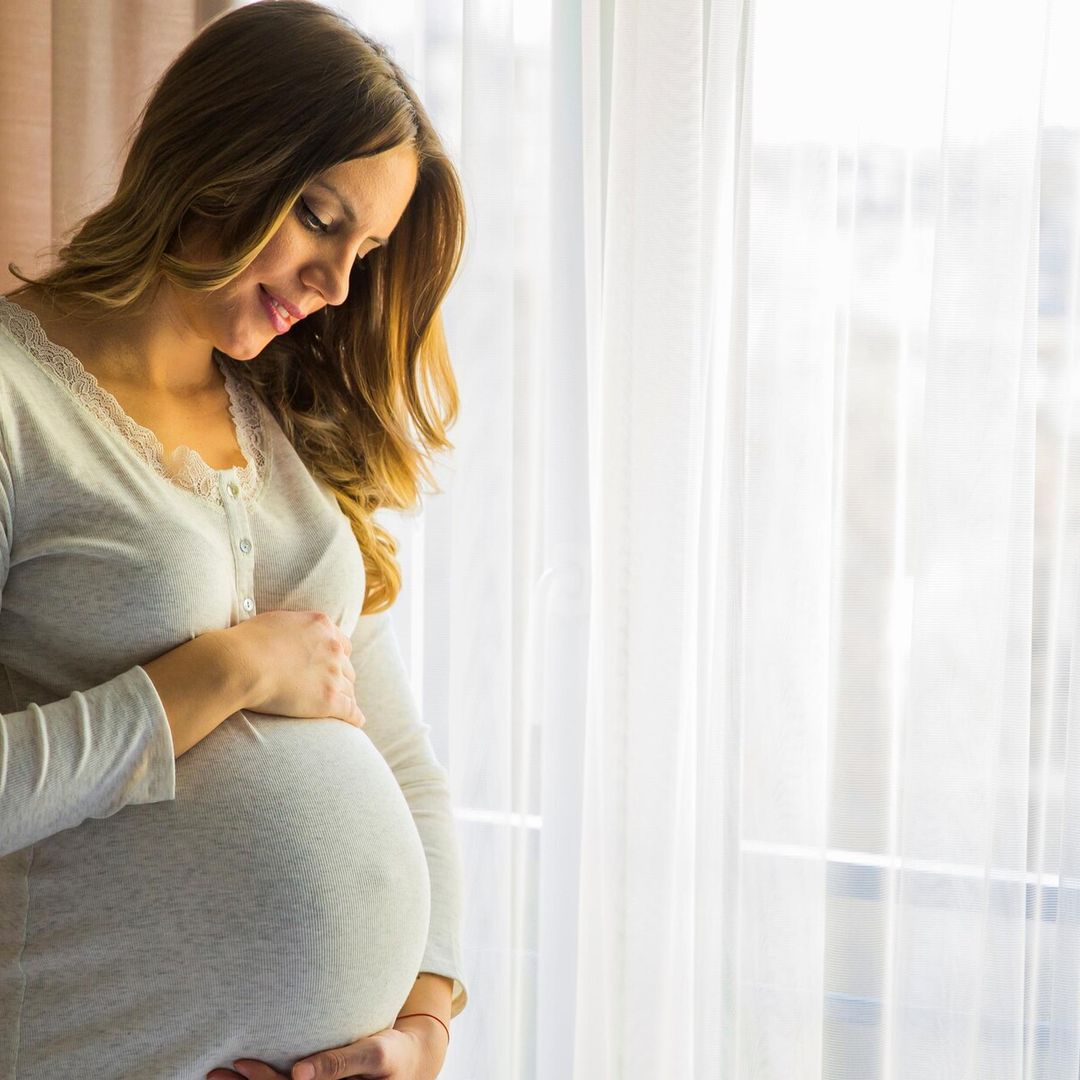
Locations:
{"points": [[315, 224], [310, 220]]}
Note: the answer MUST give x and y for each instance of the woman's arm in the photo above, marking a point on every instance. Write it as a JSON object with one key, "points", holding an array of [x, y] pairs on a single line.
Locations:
{"points": [[394, 725], [87, 755], [430, 994], [200, 685]]}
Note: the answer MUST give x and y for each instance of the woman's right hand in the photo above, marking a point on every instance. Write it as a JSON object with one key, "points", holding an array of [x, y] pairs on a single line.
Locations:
{"points": [[298, 665]]}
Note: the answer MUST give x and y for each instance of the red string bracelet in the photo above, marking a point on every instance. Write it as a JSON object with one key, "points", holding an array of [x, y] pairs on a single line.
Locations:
{"points": [[435, 1018]]}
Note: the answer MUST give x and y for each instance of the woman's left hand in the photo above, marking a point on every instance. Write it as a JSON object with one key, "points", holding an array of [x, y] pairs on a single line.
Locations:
{"points": [[410, 1050]]}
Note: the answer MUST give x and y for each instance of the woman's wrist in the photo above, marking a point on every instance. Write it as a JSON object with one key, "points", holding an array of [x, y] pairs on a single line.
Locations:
{"points": [[431, 1040], [427, 1016], [198, 687], [243, 673]]}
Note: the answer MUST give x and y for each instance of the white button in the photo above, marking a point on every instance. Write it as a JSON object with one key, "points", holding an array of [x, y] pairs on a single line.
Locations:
{"points": [[245, 545], [234, 489], [249, 604]]}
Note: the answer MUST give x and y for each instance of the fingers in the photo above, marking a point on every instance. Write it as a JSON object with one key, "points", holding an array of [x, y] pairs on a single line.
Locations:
{"points": [[252, 1069], [367, 1056], [349, 671], [351, 711]]}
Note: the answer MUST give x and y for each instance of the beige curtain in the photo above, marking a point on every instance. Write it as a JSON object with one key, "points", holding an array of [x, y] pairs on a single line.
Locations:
{"points": [[74, 75]]}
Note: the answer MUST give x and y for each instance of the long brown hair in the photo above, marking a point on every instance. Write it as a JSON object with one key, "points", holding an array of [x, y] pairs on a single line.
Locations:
{"points": [[261, 102]]}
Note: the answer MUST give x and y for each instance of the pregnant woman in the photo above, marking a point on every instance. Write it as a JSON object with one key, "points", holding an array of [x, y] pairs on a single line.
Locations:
{"points": [[226, 846]]}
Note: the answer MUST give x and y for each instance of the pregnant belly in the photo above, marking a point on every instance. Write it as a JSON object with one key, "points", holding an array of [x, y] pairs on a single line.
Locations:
{"points": [[279, 905]]}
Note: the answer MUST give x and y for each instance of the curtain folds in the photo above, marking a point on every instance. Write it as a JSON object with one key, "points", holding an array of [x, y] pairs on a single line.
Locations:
{"points": [[829, 757], [73, 77], [745, 619]]}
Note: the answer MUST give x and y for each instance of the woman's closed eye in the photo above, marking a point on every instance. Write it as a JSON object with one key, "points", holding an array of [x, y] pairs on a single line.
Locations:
{"points": [[309, 219], [313, 223]]}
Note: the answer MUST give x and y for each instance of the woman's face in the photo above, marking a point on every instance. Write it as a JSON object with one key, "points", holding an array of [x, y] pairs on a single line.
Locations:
{"points": [[339, 219]]}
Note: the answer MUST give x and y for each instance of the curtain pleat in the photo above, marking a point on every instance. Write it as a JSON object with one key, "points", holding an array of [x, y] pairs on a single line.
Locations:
{"points": [[745, 618], [822, 807], [73, 77]]}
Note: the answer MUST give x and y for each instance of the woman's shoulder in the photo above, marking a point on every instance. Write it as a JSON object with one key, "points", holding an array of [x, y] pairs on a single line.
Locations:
{"points": [[34, 324], [34, 380], [24, 321], [22, 341]]}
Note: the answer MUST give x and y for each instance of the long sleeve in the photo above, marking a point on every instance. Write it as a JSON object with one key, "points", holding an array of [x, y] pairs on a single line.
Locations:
{"points": [[87, 755], [385, 696]]}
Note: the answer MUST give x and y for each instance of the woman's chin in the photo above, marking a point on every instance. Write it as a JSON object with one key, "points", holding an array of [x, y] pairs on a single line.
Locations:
{"points": [[248, 348]]}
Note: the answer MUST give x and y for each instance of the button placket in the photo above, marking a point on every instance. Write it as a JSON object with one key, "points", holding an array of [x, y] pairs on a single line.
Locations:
{"points": [[239, 527]]}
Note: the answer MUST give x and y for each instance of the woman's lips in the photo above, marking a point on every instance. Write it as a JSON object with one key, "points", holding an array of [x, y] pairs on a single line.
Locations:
{"points": [[290, 309], [281, 323]]}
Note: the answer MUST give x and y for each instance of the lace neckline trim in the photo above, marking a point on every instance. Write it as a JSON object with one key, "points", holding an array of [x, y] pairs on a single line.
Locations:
{"points": [[184, 466]]}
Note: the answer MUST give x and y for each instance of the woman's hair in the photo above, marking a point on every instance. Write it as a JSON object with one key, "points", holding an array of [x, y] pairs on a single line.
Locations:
{"points": [[264, 99]]}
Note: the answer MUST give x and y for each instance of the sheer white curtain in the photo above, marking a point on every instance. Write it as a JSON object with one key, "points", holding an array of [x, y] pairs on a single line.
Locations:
{"points": [[830, 819], [745, 619]]}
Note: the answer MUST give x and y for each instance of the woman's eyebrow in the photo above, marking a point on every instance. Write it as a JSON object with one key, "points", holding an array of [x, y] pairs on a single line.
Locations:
{"points": [[344, 205]]}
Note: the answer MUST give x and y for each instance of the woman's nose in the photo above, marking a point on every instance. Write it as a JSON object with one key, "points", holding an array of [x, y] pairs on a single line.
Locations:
{"points": [[331, 278]]}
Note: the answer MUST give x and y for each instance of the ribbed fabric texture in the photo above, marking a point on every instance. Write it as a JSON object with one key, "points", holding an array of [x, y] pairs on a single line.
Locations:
{"points": [[277, 889]]}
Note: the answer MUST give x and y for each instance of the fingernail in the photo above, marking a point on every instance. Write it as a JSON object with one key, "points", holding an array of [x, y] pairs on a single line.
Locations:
{"points": [[241, 1069], [305, 1071]]}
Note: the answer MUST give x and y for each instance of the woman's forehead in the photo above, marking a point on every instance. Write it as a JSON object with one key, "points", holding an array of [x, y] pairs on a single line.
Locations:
{"points": [[373, 184]]}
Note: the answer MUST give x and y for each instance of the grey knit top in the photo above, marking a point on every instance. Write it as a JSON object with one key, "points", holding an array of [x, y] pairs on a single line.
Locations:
{"points": [[277, 889]]}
